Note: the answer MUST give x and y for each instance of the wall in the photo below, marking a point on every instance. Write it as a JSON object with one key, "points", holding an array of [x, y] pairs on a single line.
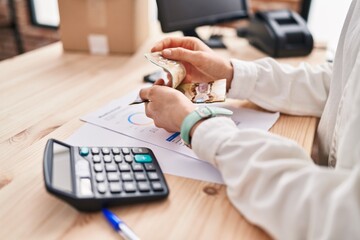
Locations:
{"points": [[34, 37]]}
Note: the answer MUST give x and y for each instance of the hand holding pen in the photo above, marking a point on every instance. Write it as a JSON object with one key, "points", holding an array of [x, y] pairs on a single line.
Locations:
{"points": [[119, 226]]}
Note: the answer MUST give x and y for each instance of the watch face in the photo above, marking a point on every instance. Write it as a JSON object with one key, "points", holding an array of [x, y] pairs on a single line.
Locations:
{"points": [[204, 112]]}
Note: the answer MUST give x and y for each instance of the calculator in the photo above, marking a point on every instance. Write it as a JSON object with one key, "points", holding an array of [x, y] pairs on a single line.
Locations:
{"points": [[90, 178]]}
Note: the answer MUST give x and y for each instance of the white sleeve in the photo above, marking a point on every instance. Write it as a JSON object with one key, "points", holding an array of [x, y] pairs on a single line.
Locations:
{"points": [[275, 184], [301, 90]]}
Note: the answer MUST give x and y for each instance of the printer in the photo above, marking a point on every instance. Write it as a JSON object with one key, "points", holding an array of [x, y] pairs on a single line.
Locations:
{"points": [[280, 33]]}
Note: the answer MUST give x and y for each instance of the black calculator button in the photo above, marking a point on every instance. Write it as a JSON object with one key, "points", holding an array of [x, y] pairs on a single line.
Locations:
{"points": [[126, 176], [129, 158], [105, 150], [149, 167], [140, 176], [143, 186], [140, 150], [143, 158], [82, 168], [98, 167], [101, 187], [96, 159], [84, 151], [117, 158], [95, 151], [113, 177], [157, 186], [115, 187], [129, 187], [137, 167], [153, 176], [110, 167], [107, 158], [115, 150], [85, 187], [124, 167], [125, 150], [100, 177]]}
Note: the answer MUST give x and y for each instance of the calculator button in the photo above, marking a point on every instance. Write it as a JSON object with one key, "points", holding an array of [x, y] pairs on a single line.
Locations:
{"points": [[105, 150], [100, 177], [124, 167], [129, 187], [140, 150], [82, 168], [110, 167], [113, 177], [153, 176], [128, 158], [107, 158], [98, 167], [84, 151], [149, 167], [137, 167], [101, 187], [95, 151], [144, 186], [125, 150], [126, 176], [85, 187], [157, 186], [139, 176], [115, 187], [117, 158], [96, 159], [143, 158], [115, 150]]}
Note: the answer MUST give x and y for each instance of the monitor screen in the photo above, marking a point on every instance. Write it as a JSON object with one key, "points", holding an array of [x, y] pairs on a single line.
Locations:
{"points": [[186, 15]]}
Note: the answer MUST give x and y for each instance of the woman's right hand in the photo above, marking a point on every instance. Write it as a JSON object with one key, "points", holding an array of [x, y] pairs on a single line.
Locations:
{"points": [[202, 63]]}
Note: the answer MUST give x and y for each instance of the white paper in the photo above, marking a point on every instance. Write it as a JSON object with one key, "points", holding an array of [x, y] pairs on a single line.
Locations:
{"points": [[98, 44], [170, 162], [131, 120], [136, 130]]}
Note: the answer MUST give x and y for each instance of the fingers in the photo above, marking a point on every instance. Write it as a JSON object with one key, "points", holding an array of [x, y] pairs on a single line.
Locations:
{"points": [[145, 94], [172, 42], [159, 82], [185, 55]]}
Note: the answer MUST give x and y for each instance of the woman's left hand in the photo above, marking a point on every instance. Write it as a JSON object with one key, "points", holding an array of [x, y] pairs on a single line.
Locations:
{"points": [[167, 107]]}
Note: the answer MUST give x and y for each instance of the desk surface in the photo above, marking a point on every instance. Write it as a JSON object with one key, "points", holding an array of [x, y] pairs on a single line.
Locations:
{"points": [[43, 93]]}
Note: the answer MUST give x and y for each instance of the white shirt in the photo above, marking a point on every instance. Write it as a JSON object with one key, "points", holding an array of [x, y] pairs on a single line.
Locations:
{"points": [[271, 180]]}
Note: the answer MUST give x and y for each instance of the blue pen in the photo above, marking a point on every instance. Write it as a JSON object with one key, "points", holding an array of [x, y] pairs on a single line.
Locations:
{"points": [[119, 225]]}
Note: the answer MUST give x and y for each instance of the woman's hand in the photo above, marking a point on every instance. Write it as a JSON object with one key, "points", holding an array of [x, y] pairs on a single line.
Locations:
{"points": [[202, 64], [167, 107]]}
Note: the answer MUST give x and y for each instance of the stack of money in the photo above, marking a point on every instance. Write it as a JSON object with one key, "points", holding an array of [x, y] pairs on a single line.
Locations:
{"points": [[197, 92]]}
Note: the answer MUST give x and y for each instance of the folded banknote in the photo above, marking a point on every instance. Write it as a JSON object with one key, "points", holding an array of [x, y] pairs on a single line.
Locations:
{"points": [[197, 92]]}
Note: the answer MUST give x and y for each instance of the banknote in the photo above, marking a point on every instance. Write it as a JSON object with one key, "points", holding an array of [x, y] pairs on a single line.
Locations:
{"points": [[174, 68], [204, 92], [197, 92]]}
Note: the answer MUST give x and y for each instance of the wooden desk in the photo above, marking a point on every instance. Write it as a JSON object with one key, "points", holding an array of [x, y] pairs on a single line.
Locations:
{"points": [[43, 94]]}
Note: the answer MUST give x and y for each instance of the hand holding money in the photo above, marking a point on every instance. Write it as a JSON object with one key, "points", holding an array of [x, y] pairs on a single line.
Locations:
{"points": [[197, 92], [202, 64]]}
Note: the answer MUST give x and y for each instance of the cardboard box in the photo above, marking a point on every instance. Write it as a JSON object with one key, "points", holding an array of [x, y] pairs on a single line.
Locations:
{"points": [[103, 26]]}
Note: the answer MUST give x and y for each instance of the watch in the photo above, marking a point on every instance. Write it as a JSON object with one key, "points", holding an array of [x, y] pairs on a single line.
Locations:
{"points": [[203, 112]]}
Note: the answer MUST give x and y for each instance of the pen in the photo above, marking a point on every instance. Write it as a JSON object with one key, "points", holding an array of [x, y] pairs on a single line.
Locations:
{"points": [[139, 102], [119, 226]]}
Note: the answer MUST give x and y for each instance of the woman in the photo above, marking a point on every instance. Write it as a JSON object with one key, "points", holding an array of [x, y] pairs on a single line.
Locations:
{"points": [[270, 179]]}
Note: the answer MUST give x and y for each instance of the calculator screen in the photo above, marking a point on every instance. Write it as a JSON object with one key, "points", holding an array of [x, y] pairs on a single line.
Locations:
{"points": [[61, 168]]}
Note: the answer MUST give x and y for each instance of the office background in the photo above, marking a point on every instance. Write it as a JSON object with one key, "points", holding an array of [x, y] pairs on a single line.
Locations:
{"points": [[30, 36]]}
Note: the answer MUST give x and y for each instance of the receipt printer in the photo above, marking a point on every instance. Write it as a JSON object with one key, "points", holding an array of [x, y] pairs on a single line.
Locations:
{"points": [[280, 33]]}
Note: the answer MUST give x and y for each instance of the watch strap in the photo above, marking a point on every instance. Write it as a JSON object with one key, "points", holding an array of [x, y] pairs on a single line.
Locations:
{"points": [[203, 112]]}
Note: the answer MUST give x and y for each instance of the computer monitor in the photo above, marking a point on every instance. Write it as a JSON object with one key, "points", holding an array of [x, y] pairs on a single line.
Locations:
{"points": [[187, 15]]}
